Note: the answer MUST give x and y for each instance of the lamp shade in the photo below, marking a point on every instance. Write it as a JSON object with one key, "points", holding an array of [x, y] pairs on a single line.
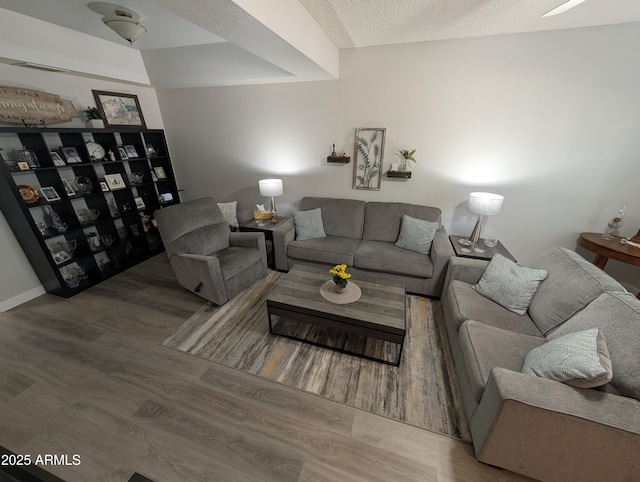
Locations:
{"points": [[485, 203], [271, 187]]}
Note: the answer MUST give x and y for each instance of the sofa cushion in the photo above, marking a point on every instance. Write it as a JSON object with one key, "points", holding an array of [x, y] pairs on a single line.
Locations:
{"points": [[416, 234], [485, 347], [204, 240], [617, 315], [508, 284], [579, 359], [308, 224], [382, 256], [382, 220], [465, 304], [572, 283], [340, 217], [330, 250]]}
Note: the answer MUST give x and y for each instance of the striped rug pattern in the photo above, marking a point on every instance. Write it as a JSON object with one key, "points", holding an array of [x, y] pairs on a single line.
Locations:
{"points": [[422, 392]]}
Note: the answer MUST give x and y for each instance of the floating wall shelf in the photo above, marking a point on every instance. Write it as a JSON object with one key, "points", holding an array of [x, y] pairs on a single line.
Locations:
{"points": [[339, 159], [399, 174]]}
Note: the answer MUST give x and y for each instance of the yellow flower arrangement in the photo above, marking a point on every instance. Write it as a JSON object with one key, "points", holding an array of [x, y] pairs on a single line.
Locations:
{"points": [[340, 275]]}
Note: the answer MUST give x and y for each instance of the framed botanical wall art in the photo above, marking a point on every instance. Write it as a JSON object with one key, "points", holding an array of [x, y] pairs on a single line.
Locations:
{"points": [[367, 168], [120, 110]]}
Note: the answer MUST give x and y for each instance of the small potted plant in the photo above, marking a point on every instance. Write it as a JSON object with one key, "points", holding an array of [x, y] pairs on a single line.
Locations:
{"points": [[340, 277], [407, 156], [95, 117]]}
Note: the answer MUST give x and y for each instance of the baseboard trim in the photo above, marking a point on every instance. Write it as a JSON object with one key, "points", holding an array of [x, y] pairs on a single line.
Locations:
{"points": [[21, 298]]}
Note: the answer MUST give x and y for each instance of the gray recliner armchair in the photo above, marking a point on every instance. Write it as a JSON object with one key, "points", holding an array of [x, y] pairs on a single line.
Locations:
{"points": [[207, 258]]}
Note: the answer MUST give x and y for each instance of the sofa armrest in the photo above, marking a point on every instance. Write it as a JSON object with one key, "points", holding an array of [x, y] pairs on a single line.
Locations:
{"points": [[441, 252], [201, 275], [465, 269], [282, 236], [552, 431], [251, 240]]}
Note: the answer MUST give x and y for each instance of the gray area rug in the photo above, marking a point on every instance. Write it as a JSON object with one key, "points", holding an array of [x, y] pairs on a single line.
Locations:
{"points": [[422, 392]]}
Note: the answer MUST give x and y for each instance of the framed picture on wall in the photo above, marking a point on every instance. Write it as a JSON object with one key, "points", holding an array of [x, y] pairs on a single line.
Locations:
{"points": [[369, 153], [120, 110]]}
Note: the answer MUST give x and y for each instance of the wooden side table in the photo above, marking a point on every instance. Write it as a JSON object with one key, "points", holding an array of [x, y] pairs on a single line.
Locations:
{"points": [[267, 228], [606, 249], [486, 255]]}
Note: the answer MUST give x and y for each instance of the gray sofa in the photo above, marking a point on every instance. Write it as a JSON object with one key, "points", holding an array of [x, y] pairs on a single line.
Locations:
{"points": [[538, 427], [362, 235]]}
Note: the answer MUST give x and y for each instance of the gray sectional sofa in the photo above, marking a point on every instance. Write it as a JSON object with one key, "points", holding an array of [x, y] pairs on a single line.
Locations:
{"points": [[539, 427], [362, 235]]}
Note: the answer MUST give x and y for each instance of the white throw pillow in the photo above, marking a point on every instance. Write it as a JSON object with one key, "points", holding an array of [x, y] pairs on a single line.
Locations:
{"points": [[229, 213], [579, 359], [510, 285]]}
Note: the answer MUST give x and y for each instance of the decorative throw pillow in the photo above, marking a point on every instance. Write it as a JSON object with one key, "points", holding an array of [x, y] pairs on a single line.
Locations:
{"points": [[509, 285], [579, 359], [416, 234], [229, 213], [309, 224]]}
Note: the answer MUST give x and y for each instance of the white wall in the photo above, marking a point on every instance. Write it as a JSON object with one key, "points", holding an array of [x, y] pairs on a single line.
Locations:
{"points": [[550, 120], [23, 284]]}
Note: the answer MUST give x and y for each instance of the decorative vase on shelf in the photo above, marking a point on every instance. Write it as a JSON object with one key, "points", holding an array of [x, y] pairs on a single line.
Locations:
{"points": [[406, 156]]}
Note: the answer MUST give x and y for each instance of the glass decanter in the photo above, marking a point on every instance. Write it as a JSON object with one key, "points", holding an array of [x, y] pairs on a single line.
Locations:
{"points": [[615, 223]]}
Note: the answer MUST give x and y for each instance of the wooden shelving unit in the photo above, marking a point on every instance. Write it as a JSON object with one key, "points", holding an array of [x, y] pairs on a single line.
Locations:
{"points": [[126, 234]]}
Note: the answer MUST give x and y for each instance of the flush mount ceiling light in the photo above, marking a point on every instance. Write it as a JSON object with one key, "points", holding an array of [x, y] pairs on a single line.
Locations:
{"points": [[563, 8], [125, 23]]}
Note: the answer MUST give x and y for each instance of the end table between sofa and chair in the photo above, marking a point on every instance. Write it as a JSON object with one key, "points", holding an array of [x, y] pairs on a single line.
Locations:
{"points": [[267, 228], [487, 253]]}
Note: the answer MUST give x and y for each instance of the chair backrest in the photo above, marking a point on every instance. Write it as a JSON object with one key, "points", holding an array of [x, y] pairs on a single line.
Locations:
{"points": [[195, 227]]}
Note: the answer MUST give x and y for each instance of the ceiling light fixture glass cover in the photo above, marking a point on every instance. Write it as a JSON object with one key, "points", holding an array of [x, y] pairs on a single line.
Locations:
{"points": [[125, 24]]}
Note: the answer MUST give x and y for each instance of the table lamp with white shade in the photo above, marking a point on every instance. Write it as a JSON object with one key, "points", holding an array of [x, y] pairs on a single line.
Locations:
{"points": [[483, 204], [271, 188]]}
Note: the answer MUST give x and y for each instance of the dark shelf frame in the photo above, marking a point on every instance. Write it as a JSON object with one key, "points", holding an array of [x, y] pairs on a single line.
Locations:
{"points": [[141, 241]]}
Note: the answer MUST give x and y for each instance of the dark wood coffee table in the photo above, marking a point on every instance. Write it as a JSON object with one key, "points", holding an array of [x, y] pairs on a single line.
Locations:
{"points": [[380, 313]]}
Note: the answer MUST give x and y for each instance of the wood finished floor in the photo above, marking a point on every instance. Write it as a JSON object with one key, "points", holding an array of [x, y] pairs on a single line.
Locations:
{"points": [[88, 376]]}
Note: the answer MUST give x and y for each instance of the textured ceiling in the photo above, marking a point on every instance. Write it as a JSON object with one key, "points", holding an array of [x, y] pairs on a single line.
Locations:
{"points": [[221, 42], [363, 23]]}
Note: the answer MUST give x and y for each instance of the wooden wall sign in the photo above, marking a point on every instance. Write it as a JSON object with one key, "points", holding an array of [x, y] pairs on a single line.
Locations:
{"points": [[18, 106]]}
